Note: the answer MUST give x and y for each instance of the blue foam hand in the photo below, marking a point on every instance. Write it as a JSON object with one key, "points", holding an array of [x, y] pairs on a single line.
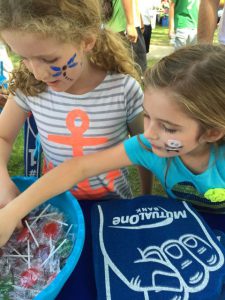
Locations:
{"points": [[155, 249]]}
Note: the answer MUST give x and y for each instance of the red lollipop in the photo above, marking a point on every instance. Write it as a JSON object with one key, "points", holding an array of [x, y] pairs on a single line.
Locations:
{"points": [[29, 277], [51, 229], [24, 235]]}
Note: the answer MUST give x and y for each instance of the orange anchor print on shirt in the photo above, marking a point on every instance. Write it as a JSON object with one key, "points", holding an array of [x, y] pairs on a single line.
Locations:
{"points": [[78, 141]]}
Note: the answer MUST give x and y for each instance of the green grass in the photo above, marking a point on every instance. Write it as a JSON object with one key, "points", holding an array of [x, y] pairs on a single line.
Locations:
{"points": [[135, 183], [160, 36], [16, 166]]}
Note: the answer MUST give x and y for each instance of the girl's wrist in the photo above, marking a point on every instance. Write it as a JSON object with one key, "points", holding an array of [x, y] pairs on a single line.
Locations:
{"points": [[15, 211], [6, 182], [4, 175]]}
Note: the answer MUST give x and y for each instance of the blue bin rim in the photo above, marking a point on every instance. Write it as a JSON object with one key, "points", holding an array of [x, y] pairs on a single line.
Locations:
{"points": [[74, 256]]}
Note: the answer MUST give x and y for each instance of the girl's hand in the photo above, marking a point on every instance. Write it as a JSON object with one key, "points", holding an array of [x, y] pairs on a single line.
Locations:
{"points": [[8, 191], [8, 223]]}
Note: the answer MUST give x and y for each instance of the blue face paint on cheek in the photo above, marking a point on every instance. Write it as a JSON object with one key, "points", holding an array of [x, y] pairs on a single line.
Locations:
{"points": [[63, 70]]}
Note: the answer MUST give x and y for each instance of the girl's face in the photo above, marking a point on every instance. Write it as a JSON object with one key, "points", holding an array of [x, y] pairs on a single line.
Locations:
{"points": [[59, 65], [170, 131]]}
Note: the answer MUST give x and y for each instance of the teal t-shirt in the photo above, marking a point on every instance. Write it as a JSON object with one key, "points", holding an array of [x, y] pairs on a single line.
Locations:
{"points": [[118, 21], [186, 14], [178, 181]]}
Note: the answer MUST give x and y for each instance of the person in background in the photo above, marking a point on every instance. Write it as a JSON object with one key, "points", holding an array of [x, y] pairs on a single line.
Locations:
{"points": [[220, 10], [139, 47], [164, 7], [207, 21], [126, 20], [121, 18], [183, 22], [147, 13]]}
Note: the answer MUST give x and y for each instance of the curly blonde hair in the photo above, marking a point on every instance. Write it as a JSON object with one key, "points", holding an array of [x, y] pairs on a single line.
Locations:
{"points": [[69, 21]]}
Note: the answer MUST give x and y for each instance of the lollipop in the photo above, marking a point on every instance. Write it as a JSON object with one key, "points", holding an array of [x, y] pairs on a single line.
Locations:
{"points": [[66, 248], [6, 286], [33, 257], [24, 235], [51, 229], [42, 252], [29, 277]]}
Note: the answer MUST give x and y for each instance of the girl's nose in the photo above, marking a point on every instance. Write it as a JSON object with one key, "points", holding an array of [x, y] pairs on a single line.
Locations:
{"points": [[39, 70], [150, 133]]}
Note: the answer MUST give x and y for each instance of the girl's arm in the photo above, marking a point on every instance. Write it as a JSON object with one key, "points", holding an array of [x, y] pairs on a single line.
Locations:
{"points": [[57, 181], [11, 120], [137, 127]]}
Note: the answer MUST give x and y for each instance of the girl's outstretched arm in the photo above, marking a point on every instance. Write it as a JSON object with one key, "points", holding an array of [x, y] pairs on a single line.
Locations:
{"points": [[57, 181]]}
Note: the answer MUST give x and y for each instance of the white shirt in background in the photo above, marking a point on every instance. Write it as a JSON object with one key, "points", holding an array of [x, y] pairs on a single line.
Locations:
{"points": [[221, 35]]}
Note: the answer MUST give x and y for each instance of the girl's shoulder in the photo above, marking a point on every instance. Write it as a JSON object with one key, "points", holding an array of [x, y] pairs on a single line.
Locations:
{"points": [[128, 84]]}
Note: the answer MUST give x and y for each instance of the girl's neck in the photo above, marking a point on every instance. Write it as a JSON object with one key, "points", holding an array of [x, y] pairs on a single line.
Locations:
{"points": [[90, 78], [198, 161]]}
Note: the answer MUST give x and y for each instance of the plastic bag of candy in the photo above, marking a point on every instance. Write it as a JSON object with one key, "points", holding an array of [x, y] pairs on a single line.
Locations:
{"points": [[38, 259]]}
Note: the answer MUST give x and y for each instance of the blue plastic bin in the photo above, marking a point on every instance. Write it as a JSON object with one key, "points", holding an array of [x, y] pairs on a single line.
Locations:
{"points": [[71, 208]]}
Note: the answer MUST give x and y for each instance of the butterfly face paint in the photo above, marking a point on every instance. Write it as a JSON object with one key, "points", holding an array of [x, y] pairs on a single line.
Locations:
{"points": [[173, 145], [63, 70]]}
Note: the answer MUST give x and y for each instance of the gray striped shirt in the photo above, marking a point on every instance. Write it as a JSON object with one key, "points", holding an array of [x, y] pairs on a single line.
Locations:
{"points": [[75, 125]]}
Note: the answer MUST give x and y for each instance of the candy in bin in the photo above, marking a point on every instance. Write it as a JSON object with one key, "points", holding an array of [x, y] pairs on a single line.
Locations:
{"points": [[29, 277], [24, 235], [34, 255], [6, 286], [66, 249], [6, 277], [42, 252], [28, 282], [51, 230], [36, 252]]}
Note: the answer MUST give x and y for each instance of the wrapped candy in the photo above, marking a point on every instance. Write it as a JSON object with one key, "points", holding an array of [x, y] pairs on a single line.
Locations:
{"points": [[29, 277], [34, 256]]}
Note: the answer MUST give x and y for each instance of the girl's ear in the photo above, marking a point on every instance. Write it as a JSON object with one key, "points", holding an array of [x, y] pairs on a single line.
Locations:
{"points": [[212, 135], [89, 43]]}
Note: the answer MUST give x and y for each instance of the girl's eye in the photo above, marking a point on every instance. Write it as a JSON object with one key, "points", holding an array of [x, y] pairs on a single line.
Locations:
{"points": [[146, 116], [48, 61], [169, 129]]}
